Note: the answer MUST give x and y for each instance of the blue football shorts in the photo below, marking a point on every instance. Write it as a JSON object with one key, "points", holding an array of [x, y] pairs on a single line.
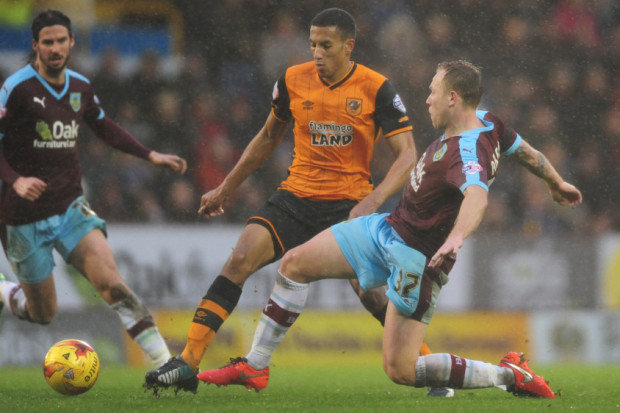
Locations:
{"points": [[29, 247], [379, 256]]}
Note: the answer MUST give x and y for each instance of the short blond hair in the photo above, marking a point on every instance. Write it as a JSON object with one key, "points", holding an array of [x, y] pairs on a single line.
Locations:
{"points": [[465, 79]]}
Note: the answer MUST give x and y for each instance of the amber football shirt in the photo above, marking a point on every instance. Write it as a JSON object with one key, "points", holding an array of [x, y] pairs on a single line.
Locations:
{"points": [[336, 127]]}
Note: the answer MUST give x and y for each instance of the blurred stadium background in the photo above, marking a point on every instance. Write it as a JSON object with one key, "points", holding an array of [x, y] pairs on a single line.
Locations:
{"points": [[195, 78]]}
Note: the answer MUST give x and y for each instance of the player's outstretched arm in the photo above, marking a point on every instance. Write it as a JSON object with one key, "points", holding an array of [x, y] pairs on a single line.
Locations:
{"points": [[534, 161], [254, 155], [403, 148], [174, 162], [470, 215]]}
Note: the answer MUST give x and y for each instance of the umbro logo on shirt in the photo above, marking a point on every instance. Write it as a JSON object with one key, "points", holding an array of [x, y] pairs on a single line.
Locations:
{"points": [[308, 105]]}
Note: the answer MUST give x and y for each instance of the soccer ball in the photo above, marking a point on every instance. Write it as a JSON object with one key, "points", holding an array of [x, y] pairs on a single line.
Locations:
{"points": [[71, 367]]}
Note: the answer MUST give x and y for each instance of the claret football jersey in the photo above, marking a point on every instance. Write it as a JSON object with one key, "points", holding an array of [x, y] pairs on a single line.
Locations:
{"points": [[336, 127], [39, 129], [431, 200]]}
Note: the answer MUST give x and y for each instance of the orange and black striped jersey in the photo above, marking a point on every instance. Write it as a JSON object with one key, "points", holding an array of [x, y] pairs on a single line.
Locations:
{"points": [[336, 127]]}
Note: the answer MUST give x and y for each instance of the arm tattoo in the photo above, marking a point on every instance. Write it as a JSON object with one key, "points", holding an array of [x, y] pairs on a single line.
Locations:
{"points": [[535, 162]]}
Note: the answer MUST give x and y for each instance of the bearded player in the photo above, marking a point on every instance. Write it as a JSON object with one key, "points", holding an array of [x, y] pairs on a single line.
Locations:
{"points": [[43, 107]]}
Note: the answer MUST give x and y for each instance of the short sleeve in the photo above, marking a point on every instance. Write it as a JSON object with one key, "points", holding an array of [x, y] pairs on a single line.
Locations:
{"points": [[280, 100], [390, 113]]}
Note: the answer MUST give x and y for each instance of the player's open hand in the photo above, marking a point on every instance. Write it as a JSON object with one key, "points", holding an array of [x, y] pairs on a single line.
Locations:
{"points": [[174, 162], [566, 193], [211, 203], [447, 250], [29, 188]]}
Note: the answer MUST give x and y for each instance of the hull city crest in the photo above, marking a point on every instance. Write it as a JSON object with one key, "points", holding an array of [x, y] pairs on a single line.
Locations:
{"points": [[354, 106]]}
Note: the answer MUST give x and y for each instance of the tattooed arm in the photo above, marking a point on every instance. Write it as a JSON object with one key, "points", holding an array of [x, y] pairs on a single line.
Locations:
{"points": [[534, 161]]}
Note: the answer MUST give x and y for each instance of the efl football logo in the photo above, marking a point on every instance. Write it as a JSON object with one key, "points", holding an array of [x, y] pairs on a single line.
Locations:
{"points": [[471, 168], [398, 104], [275, 93]]}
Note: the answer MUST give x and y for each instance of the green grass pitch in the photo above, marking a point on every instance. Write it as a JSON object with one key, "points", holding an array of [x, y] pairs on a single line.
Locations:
{"points": [[315, 387]]}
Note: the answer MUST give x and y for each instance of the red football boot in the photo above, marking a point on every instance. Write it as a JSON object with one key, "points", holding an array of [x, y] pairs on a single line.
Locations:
{"points": [[527, 383], [237, 372]]}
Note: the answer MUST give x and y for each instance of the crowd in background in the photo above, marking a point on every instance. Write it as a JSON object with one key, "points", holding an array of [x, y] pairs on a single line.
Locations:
{"points": [[550, 70]]}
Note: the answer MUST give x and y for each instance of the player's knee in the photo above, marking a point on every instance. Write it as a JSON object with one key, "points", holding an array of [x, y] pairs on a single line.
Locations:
{"points": [[399, 376], [286, 264], [399, 372], [290, 269], [240, 266]]}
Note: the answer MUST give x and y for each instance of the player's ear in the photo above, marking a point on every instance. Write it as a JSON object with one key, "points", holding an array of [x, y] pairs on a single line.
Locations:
{"points": [[349, 45], [453, 98]]}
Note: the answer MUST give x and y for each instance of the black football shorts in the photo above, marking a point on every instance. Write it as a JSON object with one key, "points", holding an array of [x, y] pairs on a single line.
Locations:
{"points": [[292, 220]]}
